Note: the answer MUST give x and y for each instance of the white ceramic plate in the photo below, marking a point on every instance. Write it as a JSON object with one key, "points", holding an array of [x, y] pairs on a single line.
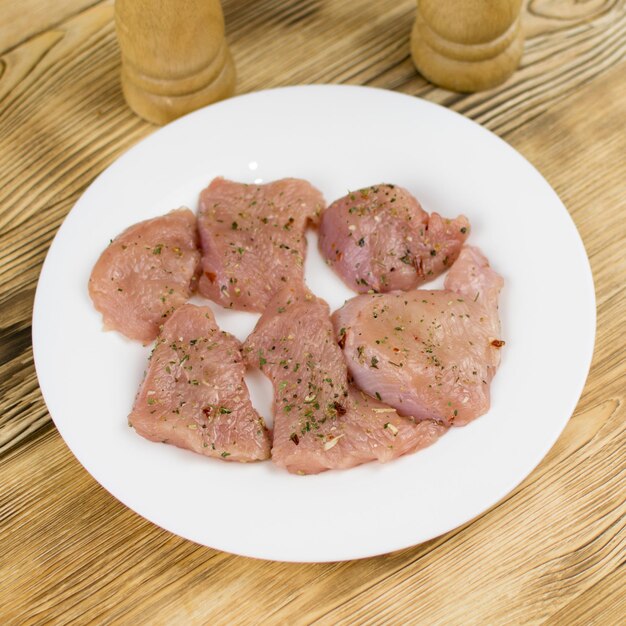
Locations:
{"points": [[339, 138]]}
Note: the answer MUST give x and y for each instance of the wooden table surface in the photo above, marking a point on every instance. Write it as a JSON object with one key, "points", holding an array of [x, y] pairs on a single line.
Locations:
{"points": [[551, 552]]}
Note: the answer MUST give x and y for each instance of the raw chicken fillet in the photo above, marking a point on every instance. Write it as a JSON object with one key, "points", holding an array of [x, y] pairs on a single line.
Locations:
{"points": [[194, 395], [428, 354], [146, 273], [253, 241], [380, 239]]}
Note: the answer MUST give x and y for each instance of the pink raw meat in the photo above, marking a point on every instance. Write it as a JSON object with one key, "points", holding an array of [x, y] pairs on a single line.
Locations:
{"points": [[146, 273], [428, 354], [194, 395], [379, 239], [253, 240]]}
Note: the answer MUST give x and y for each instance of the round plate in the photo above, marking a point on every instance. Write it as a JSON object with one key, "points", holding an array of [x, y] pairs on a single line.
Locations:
{"points": [[340, 138]]}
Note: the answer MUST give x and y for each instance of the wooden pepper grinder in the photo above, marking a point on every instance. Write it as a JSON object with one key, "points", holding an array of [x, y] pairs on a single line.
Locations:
{"points": [[467, 45], [174, 56]]}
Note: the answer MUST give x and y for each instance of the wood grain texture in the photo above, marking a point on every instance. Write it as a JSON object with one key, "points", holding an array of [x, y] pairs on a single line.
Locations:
{"points": [[23, 19], [604, 603], [550, 552]]}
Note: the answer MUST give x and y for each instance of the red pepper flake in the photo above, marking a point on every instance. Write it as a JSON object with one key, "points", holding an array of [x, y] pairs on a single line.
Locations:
{"points": [[339, 408], [498, 343]]}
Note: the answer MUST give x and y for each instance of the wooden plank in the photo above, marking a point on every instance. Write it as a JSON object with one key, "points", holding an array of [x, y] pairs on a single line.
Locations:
{"points": [[549, 551], [23, 19], [604, 603]]}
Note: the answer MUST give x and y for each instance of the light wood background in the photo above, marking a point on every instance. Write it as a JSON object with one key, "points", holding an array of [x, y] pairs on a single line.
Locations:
{"points": [[551, 552]]}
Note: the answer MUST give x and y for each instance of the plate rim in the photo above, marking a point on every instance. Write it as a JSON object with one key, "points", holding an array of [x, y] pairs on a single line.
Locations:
{"points": [[390, 546]]}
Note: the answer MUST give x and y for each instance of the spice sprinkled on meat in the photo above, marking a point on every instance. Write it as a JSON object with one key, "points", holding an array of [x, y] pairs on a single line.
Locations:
{"points": [[320, 421], [194, 395], [252, 238], [429, 354], [379, 239], [145, 273]]}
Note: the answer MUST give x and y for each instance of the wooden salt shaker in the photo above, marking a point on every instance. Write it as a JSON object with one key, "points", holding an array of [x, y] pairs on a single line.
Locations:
{"points": [[174, 56], [467, 45]]}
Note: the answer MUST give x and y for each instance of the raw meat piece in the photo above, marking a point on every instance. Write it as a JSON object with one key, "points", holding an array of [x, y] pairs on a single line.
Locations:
{"points": [[380, 239], [320, 421], [472, 276], [194, 395], [253, 239], [146, 273], [428, 354]]}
